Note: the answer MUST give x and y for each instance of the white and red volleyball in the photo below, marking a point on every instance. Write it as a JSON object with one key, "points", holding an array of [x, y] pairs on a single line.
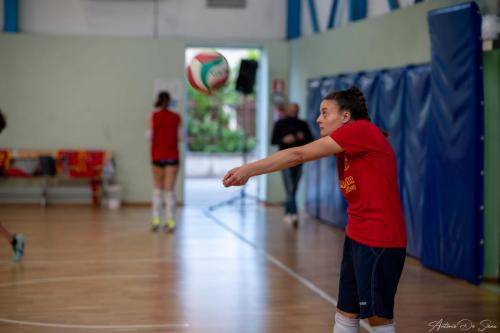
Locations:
{"points": [[207, 72]]}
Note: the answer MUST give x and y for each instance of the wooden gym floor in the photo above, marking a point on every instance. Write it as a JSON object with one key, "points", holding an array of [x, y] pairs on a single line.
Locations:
{"points": [[234, 271]]}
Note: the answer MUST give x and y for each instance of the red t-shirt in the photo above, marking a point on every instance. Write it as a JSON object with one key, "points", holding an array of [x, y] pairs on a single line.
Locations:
{"points": [[368, 180], [165, 128]]}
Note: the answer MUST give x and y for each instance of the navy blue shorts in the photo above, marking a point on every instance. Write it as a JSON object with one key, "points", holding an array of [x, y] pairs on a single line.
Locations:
{"points": [[164, 163], [369, 278]]}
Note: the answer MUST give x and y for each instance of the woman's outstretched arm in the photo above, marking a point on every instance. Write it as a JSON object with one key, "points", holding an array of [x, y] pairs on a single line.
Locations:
{"points": [[281, 160]]}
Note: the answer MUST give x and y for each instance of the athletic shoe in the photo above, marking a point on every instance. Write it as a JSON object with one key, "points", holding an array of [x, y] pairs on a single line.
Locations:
{"points": [[295, 220], [287, 219], [155, 224], [170, 225], [18, 247]]}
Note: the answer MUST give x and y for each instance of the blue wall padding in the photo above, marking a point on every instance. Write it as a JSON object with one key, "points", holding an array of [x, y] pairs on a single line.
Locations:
{"points": [[311, 169], [453, 200], [417, 106], [399, 102], [434, 117]]}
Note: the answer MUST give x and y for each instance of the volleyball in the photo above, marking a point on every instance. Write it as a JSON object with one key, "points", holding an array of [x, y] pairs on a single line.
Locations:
{"points": [[207, 72]]}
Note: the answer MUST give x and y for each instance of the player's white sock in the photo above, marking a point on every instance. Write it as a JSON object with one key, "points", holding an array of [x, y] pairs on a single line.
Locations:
{"points": [[344, 324], [384, 328], [170, 204], [157, 203]]}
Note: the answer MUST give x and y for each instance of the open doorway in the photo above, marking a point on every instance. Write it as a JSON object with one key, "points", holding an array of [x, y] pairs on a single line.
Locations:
{"points": [[219, 137]]}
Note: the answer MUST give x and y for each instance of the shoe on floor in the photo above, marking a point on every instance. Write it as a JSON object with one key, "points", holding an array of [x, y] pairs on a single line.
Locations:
{"points": [[155, 223], [18, 247], [287, 219], [170, 225]]}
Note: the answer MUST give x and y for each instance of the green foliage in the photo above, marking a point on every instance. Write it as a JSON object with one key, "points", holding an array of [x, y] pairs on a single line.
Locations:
{"points": [[253, 55]]}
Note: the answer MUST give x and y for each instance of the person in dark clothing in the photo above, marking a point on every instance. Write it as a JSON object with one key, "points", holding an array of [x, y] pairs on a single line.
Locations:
{"points": [[288, 133], [15, 240]]}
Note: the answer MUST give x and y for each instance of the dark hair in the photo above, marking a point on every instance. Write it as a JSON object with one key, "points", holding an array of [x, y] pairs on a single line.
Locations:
{"points": [[351, 100], [3, 122], [162, 99]]}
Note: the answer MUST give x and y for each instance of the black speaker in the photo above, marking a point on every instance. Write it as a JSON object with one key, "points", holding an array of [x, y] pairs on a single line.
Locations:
{"points": [[246, 76]]}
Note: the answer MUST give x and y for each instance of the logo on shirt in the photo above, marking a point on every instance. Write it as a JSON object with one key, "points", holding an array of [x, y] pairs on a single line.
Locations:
{"points": [[346, 163], [348, 184]]}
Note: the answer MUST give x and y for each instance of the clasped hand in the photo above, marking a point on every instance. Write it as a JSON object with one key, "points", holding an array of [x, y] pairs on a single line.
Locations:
{"points": [[236, 177]]}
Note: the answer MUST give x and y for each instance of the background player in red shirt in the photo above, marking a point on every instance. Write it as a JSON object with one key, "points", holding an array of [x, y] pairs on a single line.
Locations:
{"points": [[164, 133], [375, 244]]}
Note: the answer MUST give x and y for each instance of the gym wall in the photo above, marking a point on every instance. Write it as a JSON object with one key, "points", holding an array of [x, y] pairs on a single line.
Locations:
{"points": [[81, 92]]}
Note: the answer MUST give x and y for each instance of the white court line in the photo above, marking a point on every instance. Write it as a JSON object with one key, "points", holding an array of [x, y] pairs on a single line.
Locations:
{"points": [[92, 327], [113, 261], [78, 278], [96, 261], [492, 288], [284, 267], [93, 277]]}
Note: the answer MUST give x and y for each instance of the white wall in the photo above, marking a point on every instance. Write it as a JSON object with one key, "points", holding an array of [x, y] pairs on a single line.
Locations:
{"points": [[260, 20], [176, 18], [37, 71], [83, 93]]}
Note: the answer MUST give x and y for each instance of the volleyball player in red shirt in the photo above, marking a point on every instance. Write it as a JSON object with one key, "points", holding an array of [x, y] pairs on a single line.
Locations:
{"points": [[164, 131], [375, 243]]}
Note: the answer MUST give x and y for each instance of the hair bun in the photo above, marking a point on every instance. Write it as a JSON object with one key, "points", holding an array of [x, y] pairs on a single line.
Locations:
{"points": [[358, 94], [355, 90]]}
